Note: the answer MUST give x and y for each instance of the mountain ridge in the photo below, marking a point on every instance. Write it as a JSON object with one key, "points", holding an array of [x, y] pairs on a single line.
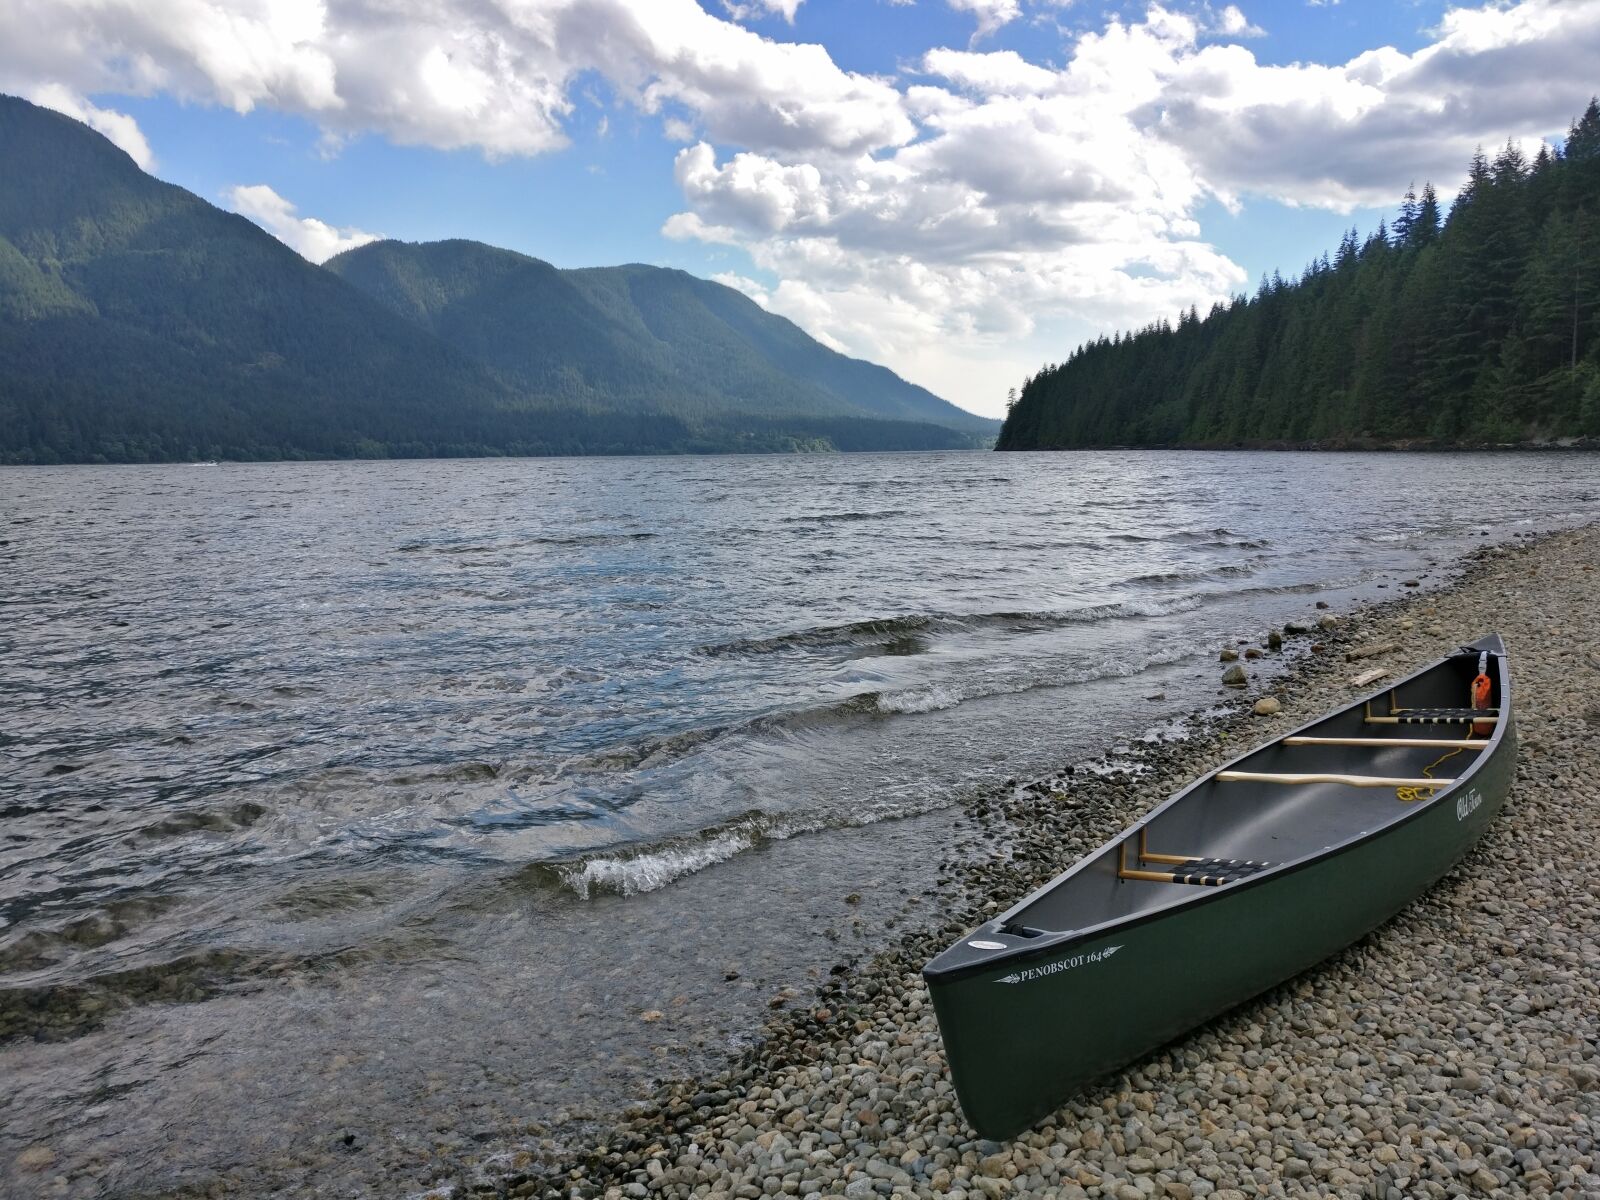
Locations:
{"points": [[139, 322], [675, 340]]}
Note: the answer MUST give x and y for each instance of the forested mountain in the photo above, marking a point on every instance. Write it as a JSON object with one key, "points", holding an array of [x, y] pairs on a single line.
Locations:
{"points": [[1482, 328], [629, 337], [139, 323]]}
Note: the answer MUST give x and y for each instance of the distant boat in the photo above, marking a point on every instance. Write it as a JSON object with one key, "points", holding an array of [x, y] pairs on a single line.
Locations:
{"points": [[1248, 876]]}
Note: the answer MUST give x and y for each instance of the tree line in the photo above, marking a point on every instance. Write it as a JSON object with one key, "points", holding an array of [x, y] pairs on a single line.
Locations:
{"points": [[1480, 326]]}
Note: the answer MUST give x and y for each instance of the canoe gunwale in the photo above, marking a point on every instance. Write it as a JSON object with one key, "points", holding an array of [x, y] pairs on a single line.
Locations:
{"points": [[1051, 943]]}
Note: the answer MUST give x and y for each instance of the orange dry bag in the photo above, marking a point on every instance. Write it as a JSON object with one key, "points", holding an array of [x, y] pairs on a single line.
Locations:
{"points": [[1482, 689]]}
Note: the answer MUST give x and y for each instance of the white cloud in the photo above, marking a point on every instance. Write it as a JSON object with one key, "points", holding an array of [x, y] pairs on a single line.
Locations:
{"points": [[1352, 134], [1038, 196], [312, 239], [119, 128], [1231, 22], [991, 14], [759, 8], [494, 75]]}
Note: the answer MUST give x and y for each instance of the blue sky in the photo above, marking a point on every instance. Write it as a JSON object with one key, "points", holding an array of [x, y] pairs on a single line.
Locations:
{"points": [[961, 189]]}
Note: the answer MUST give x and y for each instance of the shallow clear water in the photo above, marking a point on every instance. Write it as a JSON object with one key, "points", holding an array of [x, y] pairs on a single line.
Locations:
{"points": [[279, 739]]}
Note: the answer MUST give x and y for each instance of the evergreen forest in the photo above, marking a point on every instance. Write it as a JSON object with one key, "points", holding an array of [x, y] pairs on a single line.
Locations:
{"points": [[1476, 326]]}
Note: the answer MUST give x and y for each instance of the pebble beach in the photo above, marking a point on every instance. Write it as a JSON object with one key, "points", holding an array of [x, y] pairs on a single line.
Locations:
{"points": [[1452, 1052]]}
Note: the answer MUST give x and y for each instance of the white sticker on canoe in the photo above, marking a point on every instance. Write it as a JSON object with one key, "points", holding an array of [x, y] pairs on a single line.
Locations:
{"points": [[1466, 803], [1064, 964]]}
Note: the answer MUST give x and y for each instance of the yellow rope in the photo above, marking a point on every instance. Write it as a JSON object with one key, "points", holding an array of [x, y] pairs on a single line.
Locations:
{"points": [[1408, 795]]}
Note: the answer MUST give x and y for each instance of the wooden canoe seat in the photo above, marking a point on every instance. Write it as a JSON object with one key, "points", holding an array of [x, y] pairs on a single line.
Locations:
{"points": [[1207, 872], [1184, 868], [1375, 781]]}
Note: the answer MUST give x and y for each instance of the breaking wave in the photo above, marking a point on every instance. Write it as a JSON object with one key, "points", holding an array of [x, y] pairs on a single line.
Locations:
{"points": [[649, 868]]}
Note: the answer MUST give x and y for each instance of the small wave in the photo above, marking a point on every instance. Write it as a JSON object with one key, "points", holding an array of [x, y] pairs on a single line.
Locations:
{"points": [[893, 629], [1218, 537], [827, 518], [940, 696], [582, 539], [1231, 571], [853, 633], [650, 752], [591, 539]]}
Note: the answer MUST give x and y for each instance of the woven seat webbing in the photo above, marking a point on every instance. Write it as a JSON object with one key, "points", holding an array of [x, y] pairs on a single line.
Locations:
{"points": [[1213, 872]]}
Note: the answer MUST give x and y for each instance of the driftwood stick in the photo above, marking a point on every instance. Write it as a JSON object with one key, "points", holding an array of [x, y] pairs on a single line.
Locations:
{"points": [[1369, 651], [1366, 677]]}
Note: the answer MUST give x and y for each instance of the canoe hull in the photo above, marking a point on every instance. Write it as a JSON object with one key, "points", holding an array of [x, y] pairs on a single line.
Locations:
{"points": [[1023, 1037]]}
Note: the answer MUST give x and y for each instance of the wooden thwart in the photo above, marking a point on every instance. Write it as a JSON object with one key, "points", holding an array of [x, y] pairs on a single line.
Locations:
{"points": [[1383, 781], [1443, 743]]}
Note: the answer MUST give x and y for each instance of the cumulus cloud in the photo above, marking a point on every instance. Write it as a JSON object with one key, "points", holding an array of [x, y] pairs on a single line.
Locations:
{"points": [[991, 14], [1231, 22], [1068, 193], [312, 239], [494, 75], [761, 8], [1344, 135]]}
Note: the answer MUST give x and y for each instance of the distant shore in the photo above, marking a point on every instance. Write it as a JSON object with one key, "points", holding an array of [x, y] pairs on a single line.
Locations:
{"points": [[1453, 1047], [1376, 445]]}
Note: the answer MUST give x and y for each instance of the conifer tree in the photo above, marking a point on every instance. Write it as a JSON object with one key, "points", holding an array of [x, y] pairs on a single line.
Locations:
{"points": [[1480, 327]]}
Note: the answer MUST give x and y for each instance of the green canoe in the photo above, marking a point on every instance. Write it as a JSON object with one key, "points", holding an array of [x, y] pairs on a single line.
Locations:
{"points": [[1240, 881]]}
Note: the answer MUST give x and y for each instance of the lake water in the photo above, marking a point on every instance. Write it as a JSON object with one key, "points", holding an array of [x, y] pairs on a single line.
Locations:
{"points": [[340, 795]]}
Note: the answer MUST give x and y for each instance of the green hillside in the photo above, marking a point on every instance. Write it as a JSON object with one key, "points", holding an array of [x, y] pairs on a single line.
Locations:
{"points": [[632, 337], [1482, 328], [140, 323]]}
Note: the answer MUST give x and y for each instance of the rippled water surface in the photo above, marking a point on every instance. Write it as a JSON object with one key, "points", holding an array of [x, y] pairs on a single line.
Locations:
{"points": [[300, 758]]}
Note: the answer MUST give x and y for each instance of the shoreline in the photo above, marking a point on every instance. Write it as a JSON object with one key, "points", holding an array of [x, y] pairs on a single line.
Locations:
{"points": [[845, 1093], [1584, 445]]}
